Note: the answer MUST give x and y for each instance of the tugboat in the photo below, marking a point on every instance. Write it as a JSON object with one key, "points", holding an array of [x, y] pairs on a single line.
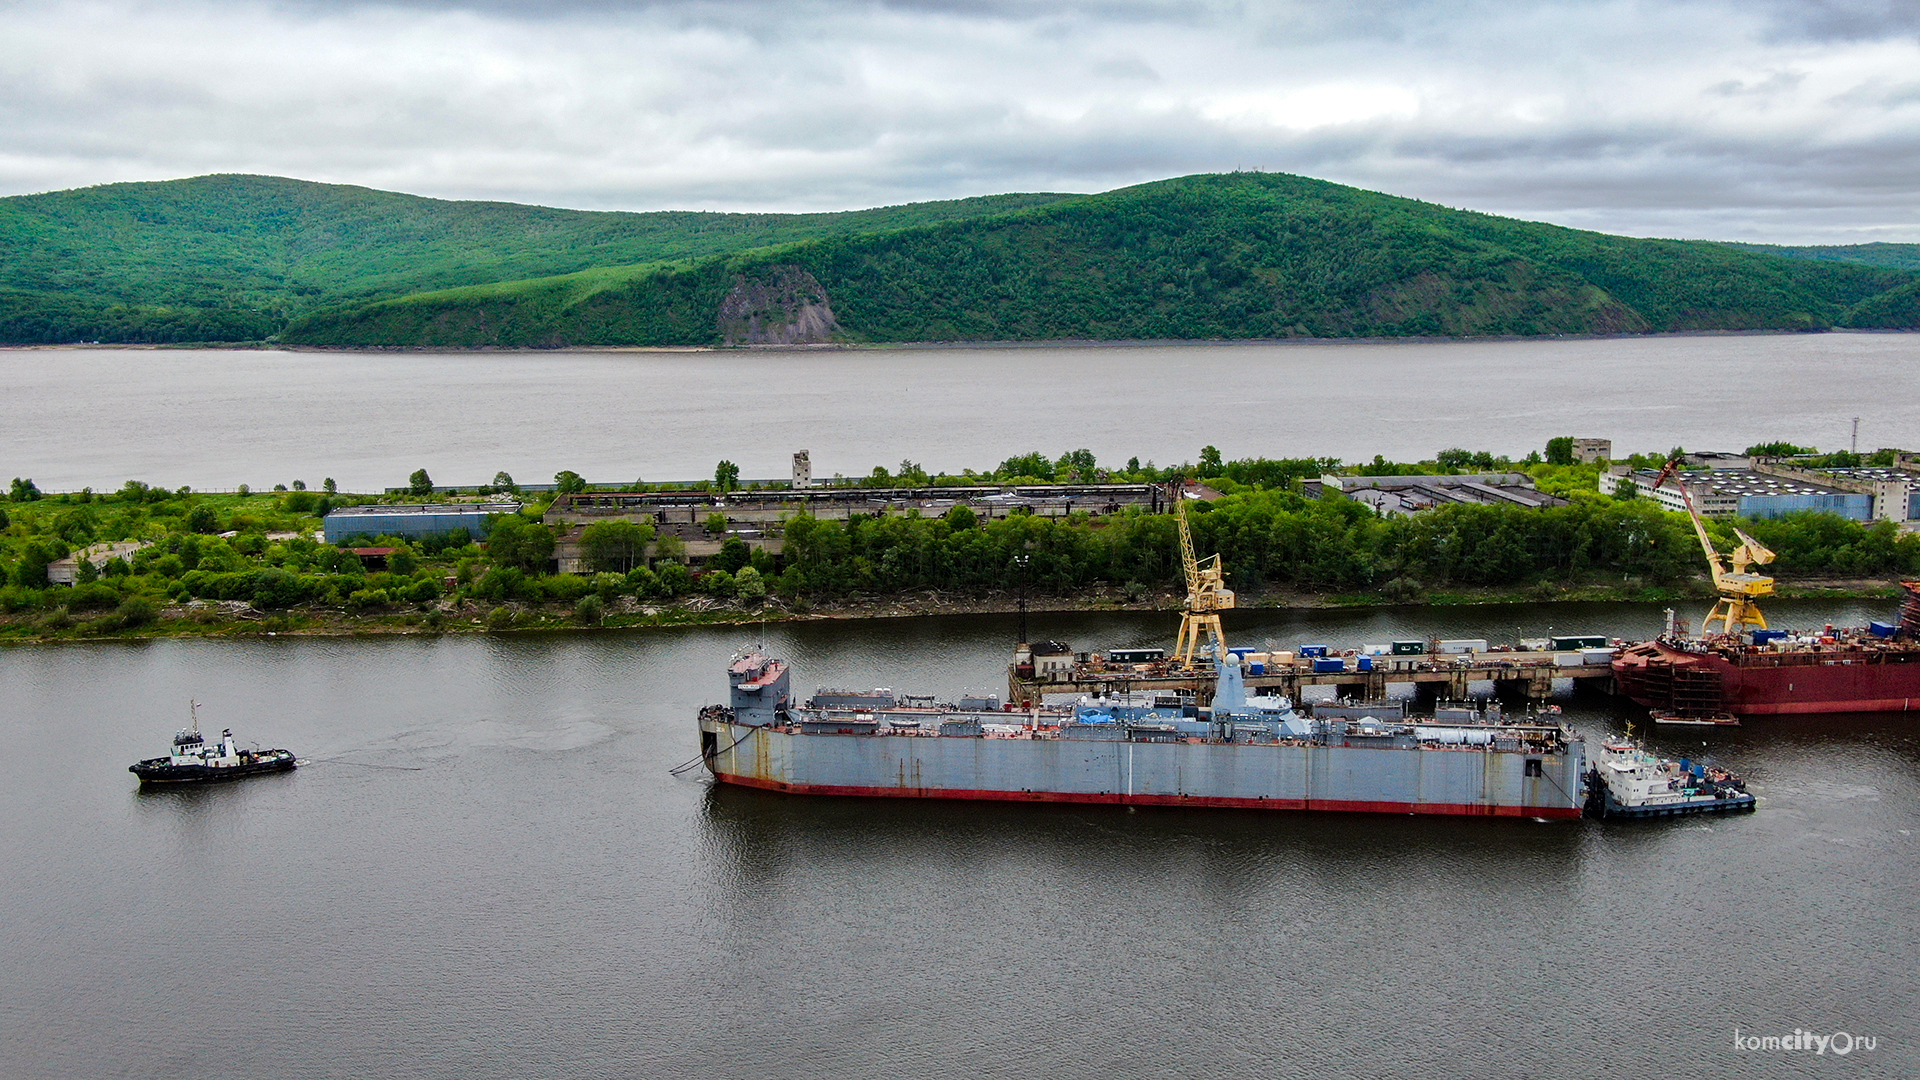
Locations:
{"points": [[1626, 781], [193, 759]]}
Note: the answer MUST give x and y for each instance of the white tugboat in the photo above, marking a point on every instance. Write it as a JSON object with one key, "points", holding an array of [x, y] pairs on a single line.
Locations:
{"points": [[1626, 781], [194, 759]]}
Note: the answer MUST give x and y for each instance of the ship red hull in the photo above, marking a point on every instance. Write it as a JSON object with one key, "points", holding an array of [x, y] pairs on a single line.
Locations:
{"points": [[1115, 798], [1773, 684]]}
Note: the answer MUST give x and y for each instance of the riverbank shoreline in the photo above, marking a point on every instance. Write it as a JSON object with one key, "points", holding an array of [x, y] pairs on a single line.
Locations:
{"points": [[227, 619], [884, 346]]}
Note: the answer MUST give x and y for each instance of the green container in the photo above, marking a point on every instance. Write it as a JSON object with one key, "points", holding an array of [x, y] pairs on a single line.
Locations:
{"points": [[1409, 648]]}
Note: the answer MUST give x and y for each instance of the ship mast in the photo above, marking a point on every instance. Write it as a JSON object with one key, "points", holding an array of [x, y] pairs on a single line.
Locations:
{"points": [[1735, 610]]}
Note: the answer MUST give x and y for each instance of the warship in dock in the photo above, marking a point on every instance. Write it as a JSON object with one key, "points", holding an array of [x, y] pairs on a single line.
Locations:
{"points": [[1143, 749]]}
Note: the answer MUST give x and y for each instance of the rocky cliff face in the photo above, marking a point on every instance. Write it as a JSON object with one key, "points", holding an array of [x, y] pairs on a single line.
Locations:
{"points": [[780, 305]]}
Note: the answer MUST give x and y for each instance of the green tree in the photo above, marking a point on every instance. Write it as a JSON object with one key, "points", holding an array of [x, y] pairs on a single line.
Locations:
{"points": [[299, 485], [516, 542], [202, 519], [1075, 466], [420, 485], [568, 482], [503, 481], [1560, 450], [749, 585], [24, 491], [1210, 462], [329, 486], [616, 546], [1034, 464], [1778, 449], [670, 549], [716, 523], [733, 555], [726, 476], [591, 609]]}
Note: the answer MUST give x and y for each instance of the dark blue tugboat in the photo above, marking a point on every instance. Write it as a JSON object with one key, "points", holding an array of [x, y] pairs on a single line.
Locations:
{"points": [[194, 760]]}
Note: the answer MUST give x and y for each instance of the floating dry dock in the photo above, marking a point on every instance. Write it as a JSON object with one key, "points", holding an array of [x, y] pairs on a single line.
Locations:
{"points": [[1138, 749]]}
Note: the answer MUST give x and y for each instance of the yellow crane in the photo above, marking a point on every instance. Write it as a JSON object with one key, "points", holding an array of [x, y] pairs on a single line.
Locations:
{"points": [[1735, 610], [1207, 595]]}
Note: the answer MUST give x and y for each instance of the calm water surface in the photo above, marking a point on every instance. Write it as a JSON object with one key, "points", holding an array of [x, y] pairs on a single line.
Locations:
{"points": [[488, 872], [217, 419]]}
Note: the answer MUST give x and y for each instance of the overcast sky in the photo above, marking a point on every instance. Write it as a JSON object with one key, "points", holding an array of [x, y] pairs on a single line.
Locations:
{"points": [[1778, 120]]}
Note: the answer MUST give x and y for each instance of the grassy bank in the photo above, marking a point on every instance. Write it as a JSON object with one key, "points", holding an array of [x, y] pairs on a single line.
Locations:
{"points": [[213, 620]]}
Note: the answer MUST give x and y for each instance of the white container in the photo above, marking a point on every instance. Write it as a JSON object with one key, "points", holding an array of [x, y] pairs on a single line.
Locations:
{"points": [[1464, 645]]}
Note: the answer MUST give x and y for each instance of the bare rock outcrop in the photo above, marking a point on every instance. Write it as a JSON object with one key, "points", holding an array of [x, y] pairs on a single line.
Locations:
{"points": [[780, 305]]}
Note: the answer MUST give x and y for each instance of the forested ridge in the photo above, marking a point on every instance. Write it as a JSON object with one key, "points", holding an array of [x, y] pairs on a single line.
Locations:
{"points": [[1243, 255], [233, 257]]}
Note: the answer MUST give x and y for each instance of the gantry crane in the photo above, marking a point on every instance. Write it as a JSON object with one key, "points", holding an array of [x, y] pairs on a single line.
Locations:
{"points": [[1735, 610], [1207, 595]]}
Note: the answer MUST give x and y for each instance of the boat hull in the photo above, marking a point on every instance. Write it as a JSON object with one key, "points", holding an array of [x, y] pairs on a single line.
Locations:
{"points": [[1773, 684], [159, 772], [1606, 807], [1444, 781]]}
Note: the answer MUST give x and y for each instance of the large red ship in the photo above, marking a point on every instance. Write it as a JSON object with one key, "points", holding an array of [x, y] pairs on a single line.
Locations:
{"points": [[1872, 670]]}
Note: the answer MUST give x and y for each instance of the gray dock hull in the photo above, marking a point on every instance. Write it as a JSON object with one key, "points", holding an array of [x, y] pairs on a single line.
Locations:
{"points": [[1283, 776]]}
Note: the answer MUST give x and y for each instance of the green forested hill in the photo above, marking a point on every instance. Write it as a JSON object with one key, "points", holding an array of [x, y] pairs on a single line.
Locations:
{"points": [[1246, 255], [233, 257], [1894, 256]]}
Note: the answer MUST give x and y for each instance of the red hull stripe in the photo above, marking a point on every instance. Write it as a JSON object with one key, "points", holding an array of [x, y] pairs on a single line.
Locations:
{"points": [[1347, 805], [1783, 708]]}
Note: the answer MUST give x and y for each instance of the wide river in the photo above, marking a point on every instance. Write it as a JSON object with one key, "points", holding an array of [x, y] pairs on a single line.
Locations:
{"points": [[218, 419], [487, 871]]}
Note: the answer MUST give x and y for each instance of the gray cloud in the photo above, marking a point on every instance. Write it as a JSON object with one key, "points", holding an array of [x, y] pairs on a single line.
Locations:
{"points": [[1787, 122]]}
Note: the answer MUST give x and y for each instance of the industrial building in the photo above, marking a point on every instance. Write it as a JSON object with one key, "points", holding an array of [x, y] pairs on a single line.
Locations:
{"points": [[1587, 451], [413, 521], [67, 571], [1406, 495], [1747, 492], [758, 517]]}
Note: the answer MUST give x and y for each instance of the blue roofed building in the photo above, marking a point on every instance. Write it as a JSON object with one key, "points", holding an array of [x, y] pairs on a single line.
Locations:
{"points": [[413, 521]]}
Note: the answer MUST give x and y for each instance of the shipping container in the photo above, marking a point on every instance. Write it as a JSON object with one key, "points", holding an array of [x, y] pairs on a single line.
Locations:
{"points": [[1328, 663], [1578, 641], [1409, 648], [1313, 650], [1365, 663], [1463, 645]]}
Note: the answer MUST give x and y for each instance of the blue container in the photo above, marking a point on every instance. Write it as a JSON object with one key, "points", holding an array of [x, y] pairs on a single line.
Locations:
{"points": [[1881, 629], [1256, 668], [1762, 637], [1313, 650], [1241, 651], [1366, 663], [1329, 663]]}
